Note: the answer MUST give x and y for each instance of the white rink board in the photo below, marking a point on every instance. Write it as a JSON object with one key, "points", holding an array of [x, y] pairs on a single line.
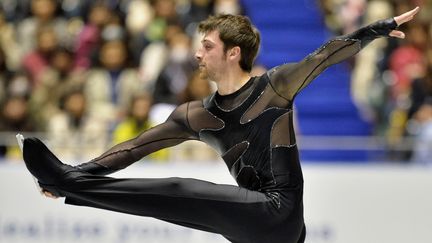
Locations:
{"points": [[343, 203]]}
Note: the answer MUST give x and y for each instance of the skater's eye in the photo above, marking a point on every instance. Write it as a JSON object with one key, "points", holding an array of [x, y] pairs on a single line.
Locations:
{"points": [[207, 45]]}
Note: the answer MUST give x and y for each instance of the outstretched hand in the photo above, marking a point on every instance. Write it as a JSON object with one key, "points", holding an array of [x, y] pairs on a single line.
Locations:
{"points": [[403, 18], [49, 194]]}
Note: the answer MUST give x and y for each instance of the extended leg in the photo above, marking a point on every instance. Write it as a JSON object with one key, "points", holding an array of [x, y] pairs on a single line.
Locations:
{"points": [[229, 210], [237, 213]]}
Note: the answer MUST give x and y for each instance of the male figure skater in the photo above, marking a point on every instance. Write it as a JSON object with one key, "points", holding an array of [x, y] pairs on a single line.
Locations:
{"points": [[248, 121]]}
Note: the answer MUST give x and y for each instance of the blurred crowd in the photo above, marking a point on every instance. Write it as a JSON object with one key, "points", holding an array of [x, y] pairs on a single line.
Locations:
{"points": [[90, 74], [392, 78]]}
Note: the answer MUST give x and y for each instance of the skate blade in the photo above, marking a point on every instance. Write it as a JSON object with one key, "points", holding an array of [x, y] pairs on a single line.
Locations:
{"points": [[20, 140]]}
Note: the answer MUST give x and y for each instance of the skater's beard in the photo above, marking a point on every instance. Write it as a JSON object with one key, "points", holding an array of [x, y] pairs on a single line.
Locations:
{"points": [[203, 72]]}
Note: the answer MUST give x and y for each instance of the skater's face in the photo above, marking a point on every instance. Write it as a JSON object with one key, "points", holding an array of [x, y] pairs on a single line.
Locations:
{"points": [[212, 58]]}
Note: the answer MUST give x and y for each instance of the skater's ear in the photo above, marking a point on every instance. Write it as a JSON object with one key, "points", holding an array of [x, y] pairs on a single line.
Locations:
{"points": [[234, 53]]}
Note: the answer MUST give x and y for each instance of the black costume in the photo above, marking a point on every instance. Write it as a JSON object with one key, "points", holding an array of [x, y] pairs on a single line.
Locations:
{"points": [[252, 129]]}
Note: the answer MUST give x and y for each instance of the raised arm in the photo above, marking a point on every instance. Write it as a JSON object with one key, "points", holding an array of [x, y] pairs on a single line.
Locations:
{"points": [[289, 79], [172, 132]]}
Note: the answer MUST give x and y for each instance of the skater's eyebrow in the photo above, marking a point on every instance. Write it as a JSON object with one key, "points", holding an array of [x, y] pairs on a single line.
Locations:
{"points": [[207, 41]]}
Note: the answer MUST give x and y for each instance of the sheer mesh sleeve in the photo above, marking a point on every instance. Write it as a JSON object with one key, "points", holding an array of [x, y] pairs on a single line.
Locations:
{"points": [[172, 132], [290, 79]]}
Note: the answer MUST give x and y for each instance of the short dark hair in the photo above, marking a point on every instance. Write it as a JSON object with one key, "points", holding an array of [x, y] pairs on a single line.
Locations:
{"points": [[235, 30]]}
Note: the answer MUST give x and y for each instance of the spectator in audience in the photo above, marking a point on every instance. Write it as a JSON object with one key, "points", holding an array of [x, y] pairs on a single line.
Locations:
{"points": [[136, 122], [57, 79], [114, 29], [422, 149], [177, 71], [89, 38], [140, 14], [164, 15], [78, 134], [74, 8], [342, 17], [367, 86], [5, 75], [155, 56], [351, 14], [137, 119], [110, 86], [14, 118], [192, 12], [44, 14], [329, 9], [18, 85], [406, 63], [15, 11], [152, 43], [227, 7], [11, 51], [37, 62], [421, 88], [197, 88]]}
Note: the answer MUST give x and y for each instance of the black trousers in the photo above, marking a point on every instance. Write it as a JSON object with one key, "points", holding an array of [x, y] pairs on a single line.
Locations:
{"points": [[239, 214]]}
